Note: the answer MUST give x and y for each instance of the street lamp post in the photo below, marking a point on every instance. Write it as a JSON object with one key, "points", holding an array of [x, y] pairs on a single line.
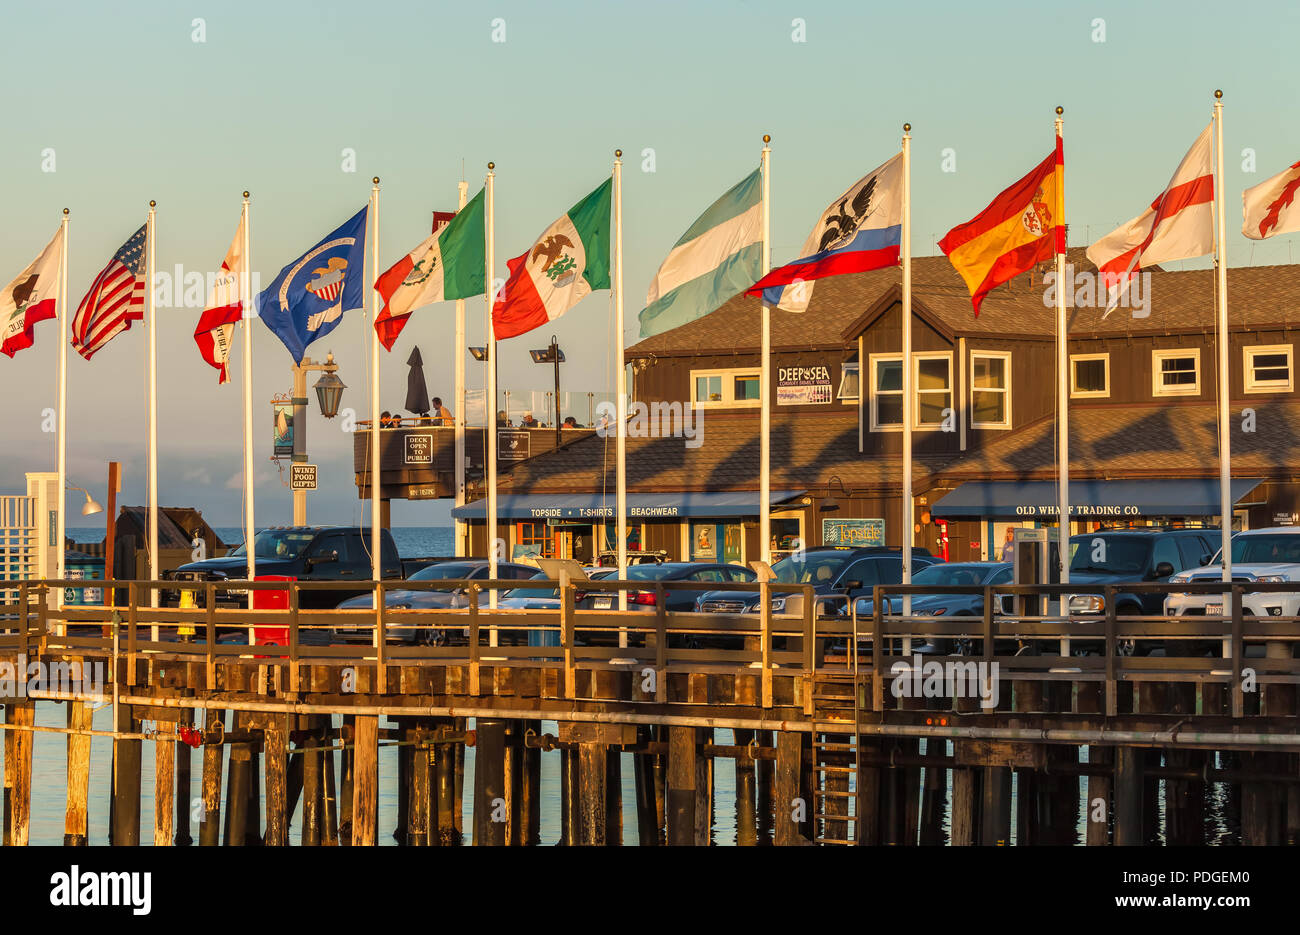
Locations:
{"points": [[551, 354], [329, 391]]}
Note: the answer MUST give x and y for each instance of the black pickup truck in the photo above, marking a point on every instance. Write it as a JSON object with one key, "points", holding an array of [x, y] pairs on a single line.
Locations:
{"points": [[307, 553]]}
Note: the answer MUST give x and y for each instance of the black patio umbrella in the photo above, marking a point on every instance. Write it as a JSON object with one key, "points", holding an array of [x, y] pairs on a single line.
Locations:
{"points": [[417, 394]]}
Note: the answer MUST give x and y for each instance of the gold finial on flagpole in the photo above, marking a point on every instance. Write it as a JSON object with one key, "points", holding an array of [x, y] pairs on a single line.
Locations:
{"points": [[1059, 111], [907, 128], [245, 194], [65, 212], [152, 203], [618, 154], [1218, 95], [375, 180], [491, 166], [767, 138]]}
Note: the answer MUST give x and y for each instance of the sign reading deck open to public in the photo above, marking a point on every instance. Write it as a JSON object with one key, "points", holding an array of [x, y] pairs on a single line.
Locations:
{"points": [[302, 477], [419, 449]]}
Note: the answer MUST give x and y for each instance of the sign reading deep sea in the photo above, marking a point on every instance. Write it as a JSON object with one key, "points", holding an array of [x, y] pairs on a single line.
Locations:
{"points": [[802, 386]]}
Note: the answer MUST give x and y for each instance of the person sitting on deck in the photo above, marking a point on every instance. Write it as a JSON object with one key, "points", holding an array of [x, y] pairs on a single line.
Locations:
{"points": [[571, 423], [528, 421], [396, 421], [441, 414], [385, 419], [501, 417]]}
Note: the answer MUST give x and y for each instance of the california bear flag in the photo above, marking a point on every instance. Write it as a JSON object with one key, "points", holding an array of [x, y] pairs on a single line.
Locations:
{"points": [[568, 262], [32, 297]]}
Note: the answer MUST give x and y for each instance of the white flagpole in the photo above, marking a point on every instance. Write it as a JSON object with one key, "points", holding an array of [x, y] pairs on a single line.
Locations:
{"points": [[246, 285], [151, 314], [490, 409], [459, 354], [621, 476], [1225, 386], [765, 373], [1062, 391], [63, 408], [908, 512], [376, 562]]}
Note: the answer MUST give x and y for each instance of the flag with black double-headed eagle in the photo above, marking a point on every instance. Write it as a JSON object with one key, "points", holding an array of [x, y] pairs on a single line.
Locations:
{"points": [[115, 299]]}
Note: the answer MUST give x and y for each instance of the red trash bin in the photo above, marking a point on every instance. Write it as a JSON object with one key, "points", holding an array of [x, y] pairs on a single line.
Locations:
{"points": [[271, 600]]}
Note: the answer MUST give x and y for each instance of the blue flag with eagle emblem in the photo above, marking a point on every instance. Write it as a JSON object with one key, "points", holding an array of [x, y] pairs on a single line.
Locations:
{"points": [[309, 296]]}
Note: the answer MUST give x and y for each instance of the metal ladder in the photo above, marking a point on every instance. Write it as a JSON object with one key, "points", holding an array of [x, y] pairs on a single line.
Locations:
{"points": [[836, 757]]}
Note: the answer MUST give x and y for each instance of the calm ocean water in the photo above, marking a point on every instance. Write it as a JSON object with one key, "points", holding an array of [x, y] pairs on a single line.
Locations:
{"points": [[49, 775]]}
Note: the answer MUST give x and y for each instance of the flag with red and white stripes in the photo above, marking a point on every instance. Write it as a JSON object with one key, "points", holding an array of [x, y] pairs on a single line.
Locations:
{"points": [[225, 306], [115, 299], [1178, 225]]}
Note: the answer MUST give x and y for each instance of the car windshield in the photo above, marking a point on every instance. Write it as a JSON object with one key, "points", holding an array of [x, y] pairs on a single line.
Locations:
{"points": [[817, 568], [277, 543], [534, 593], [444, 571], [1120, 555], [648, 572], [950, 575], [1263, 550]]}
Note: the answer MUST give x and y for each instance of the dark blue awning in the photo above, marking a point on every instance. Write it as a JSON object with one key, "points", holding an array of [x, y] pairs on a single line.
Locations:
{"points": [[1090, 499], [593, 507]]}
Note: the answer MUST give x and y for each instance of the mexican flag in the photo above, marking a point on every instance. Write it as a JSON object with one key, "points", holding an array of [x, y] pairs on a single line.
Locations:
{"points": [[447, 265], [567, 262], [32, 297]]}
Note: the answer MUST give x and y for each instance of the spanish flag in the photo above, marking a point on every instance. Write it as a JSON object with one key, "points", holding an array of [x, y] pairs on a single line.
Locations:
{"points": [[1021, 227]]}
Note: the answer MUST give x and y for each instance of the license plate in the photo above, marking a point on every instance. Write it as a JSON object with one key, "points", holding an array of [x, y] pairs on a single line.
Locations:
{"points": [[602, 603], [1213, 610]]}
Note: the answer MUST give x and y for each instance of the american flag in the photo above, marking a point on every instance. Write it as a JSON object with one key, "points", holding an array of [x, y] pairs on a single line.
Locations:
{"points": [[115, 299]]}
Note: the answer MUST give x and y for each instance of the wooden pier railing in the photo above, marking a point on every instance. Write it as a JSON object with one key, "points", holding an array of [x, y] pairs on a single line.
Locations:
{"points": [[841, 715]]}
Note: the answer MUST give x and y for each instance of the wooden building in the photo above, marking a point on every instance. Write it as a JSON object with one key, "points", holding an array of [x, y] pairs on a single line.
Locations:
{"points": [[1142, 415]]}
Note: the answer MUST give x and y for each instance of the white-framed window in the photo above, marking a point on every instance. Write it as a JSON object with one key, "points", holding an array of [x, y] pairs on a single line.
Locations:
{"points": [[848, 382], [886, 392], [1089, 375], [990, 389], [932, 383], [1268, 368], [1176, 372], [733, 388]]}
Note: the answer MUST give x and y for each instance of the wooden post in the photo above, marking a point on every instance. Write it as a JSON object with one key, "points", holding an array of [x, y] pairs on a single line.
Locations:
{"points": [[531, 820], [126, 783], [329, 807], [995, 807], [513, 782], [210, 827], [490, 814], [445, 761], [420, 781], [964, 806], [184, 792], [164, 774], [681, 785], [746, 826], [76, 818], [9, 741], [1128, 797], [312, 800], [764, 774], [275, 751], [569, 808], [405, 755], [365, 780], [1099, 805], [348, 734], [592, 791], [703, 789], [789, 749], [22, 714], [239, 774]]}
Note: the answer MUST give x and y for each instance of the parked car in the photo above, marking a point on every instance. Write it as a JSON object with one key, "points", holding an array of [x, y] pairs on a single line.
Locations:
{"points": [[448, 597], [964, 574], [836, 574], [527, 598], [1258, 555], [306, 553], [1122, 556], [675, 600]]}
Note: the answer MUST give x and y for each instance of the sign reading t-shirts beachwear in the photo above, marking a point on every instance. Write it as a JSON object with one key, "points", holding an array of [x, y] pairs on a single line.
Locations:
{"points": [[853, 532], [803, 385]]}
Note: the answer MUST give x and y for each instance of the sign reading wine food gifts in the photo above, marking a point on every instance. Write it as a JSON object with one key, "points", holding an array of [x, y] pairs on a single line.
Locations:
{"points": [[803, 386]]}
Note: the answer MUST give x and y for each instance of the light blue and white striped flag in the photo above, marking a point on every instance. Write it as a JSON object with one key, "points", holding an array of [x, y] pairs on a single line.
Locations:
{"points": [[718, 257]]}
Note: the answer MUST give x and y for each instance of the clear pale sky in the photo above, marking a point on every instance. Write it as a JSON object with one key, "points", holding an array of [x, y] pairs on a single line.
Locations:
{"points": [[133, 109]]}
